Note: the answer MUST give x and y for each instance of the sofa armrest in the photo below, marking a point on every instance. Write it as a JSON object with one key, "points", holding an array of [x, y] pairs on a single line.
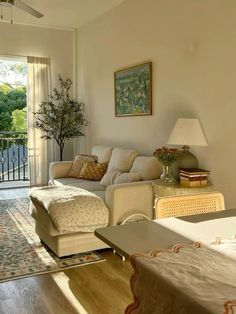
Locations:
{"points": [[126, 199], [59, 169]]}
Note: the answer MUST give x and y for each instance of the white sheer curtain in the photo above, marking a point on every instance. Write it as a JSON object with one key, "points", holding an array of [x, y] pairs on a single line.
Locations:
{"points": [[38, 91]]}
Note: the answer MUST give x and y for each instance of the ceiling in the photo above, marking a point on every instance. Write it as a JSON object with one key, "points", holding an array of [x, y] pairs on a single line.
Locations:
{"points": [[62, 13]]}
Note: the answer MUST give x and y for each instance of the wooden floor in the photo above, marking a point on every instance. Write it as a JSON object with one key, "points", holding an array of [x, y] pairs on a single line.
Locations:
{"points": [[101, 288]]}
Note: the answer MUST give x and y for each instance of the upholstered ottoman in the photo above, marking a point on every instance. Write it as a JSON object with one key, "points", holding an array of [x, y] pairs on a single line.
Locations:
{"points": [[66, 218]]}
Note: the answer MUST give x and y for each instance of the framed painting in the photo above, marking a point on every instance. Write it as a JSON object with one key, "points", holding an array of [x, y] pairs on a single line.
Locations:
{"points": [[133, 91]]}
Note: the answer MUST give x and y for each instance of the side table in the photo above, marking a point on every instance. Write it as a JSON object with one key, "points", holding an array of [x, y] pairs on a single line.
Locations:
{"points": [[162, 189]]}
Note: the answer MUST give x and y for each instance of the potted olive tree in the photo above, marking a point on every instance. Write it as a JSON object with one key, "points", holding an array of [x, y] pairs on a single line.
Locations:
{"points": [[61, 118]]}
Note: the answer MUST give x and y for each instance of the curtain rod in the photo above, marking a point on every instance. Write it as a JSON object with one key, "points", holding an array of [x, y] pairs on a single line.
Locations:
{"points": [[12, 56]]}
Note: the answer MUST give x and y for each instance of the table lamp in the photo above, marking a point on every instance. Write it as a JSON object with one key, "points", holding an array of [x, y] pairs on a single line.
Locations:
{"points": [[186, 132]]}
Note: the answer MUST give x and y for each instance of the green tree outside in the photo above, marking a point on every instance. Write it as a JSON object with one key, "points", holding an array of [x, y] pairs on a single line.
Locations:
{"points": [[12, 95], [10, 100], [19, 120]]}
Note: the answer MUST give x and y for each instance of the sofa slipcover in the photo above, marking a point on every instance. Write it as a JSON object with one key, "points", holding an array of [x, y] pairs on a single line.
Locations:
{"points": [[122, 200]]}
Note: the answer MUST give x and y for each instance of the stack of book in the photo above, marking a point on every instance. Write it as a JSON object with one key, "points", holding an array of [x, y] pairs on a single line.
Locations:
{"points": [[192, 177]]}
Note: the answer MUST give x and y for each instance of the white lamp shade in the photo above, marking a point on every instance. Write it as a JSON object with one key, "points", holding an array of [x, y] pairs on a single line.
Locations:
{"points": [[187, 132]]}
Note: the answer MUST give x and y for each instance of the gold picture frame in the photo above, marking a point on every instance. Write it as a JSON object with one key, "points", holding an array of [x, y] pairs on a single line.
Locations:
{"points": [[133, 90]]}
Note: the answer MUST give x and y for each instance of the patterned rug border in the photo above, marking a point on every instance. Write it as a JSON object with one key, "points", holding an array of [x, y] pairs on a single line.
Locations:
{"points": [[53, 271], [19, 207]]}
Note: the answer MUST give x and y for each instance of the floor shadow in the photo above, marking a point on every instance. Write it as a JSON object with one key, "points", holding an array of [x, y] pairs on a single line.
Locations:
{"points": [[38, 294]]}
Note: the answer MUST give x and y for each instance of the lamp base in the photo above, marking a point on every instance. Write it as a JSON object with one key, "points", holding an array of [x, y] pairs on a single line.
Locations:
{"points": [[187, 160]]}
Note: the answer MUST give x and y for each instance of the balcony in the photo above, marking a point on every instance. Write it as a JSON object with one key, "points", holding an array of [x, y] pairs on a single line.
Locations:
{"points": [[13, 159]]}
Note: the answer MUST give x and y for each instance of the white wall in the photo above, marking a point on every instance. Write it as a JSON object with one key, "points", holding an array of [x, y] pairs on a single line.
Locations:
{"points": [[192, 45], [41, 42]]}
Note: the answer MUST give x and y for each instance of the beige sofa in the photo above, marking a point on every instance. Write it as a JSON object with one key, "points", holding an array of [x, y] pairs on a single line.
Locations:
{"points": [[122, 197]]}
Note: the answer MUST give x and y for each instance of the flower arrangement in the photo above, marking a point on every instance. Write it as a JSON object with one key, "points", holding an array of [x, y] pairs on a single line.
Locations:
{"points": [[167, 155]]}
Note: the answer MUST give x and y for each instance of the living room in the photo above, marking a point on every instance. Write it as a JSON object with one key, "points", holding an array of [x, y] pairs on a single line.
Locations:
{"points": [[191, 46]]}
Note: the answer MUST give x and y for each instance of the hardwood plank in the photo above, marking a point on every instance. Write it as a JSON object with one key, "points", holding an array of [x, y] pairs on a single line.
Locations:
{"points": [[108, 285], [93, 289]]}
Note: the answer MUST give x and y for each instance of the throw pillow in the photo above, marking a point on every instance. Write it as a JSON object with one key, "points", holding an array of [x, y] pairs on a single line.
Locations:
{"points": [[149, 168], [93, 170], [109, 177], [122, 159], [78, 163], [127, 177]]}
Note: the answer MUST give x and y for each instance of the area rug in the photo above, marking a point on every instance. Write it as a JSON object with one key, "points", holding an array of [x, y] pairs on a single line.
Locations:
{"points": [[21, 252]]}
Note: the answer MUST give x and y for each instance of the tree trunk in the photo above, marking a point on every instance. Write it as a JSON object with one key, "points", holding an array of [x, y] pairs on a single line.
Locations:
{"points": [[61, 151]]}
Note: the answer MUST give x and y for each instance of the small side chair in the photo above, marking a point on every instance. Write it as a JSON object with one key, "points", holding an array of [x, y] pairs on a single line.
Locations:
{"points": [[176, 206]]}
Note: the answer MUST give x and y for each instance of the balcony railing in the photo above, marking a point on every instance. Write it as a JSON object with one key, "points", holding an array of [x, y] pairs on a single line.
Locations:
{"points": [[13, 156]]}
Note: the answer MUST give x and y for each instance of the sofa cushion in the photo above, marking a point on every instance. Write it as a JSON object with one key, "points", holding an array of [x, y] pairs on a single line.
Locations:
{"points": [[122, 159], [83, 184], [118, 177], [103, 153], [78, 163], [109, 177], [127, 177], [71, 209], [149, 168], [93, 171], [101, 194]]}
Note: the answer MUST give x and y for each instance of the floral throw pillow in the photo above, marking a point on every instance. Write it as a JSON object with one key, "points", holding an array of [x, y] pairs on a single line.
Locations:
{"points": [[78, 163], [93, 170]]}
